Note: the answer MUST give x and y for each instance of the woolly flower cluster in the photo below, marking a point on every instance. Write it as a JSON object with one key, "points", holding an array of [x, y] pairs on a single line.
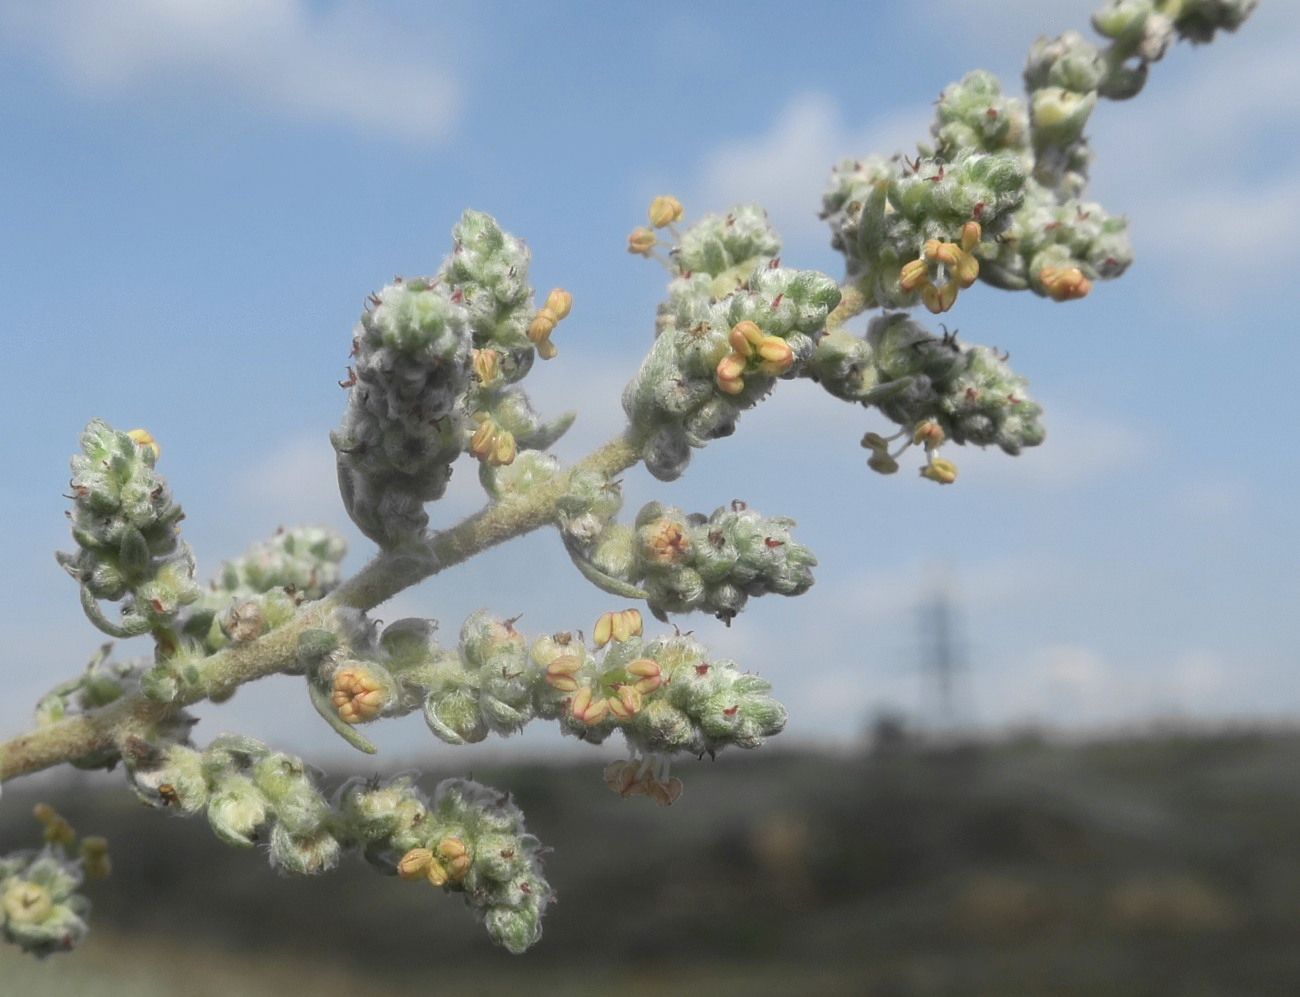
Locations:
{"points": [[682, 563], [434, 361], [734, 322], [664, 695], [935, 388], [126, 527], [261, 589], [40, 908], [253, 795], [886, 214]]}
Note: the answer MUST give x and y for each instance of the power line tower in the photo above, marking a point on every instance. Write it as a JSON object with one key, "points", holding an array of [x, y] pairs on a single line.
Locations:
{"points": [[945, 704]]}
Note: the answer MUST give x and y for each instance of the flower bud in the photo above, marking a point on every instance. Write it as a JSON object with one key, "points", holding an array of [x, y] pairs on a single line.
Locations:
{"points": [[360, 692], [237, 810], [24, 902]]}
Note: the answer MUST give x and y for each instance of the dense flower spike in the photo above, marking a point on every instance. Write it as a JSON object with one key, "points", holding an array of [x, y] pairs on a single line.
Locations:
{"points": [[734, 321], [884, 214], [682, 563], [258, 591], [433, 359], [126, 526], [933, 387], [472, 836], [662, 694], [405, 423]]}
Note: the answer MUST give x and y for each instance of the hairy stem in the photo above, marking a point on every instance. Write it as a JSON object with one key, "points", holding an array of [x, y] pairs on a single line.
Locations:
{"points": [[101, 731]]}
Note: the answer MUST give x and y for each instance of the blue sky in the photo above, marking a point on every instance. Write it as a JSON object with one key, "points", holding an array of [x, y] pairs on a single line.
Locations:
{"points": [[196, 197]]}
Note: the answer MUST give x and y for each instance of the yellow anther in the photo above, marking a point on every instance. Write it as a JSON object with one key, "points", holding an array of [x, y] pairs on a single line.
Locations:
{"points": [[486, 364], [557, 306], [455, 858], [143, 438], [633, 778], [357, 694], [26, 903], [541, 327], [450, 848], [458, 867], [560, 672], [603, 632], [775, 356], [587, 709], [94, 857], [664, 793], [627, 625], [625, 703], [745, 338], [940, 470], [966, 270], [641, 242], [1064, 283], [57, 830], [559, 302], [491, 443], [914, 274], [882, 463], [436, 872], [947, 253], [664, 210], [729, 375], [414, 863], [930, 434], [930, 250], [619, 626], [648, 674], [875, 442], [970, 236], [939, 299], [622, 776]]}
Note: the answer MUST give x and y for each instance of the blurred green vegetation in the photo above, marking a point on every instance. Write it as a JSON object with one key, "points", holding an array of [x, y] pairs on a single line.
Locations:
{"points": [[1161, 864]]}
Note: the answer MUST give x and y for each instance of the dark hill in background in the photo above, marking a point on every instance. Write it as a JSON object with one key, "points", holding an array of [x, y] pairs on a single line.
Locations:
{"points": [[1162, 864]]}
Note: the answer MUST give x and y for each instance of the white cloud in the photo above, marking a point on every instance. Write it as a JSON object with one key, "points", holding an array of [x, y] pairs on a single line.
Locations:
{"points": [[344, 65], [786, 167]]}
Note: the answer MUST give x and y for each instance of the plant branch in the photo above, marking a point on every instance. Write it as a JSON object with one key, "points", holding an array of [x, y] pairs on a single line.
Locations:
{"points": [[100, 732]]}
